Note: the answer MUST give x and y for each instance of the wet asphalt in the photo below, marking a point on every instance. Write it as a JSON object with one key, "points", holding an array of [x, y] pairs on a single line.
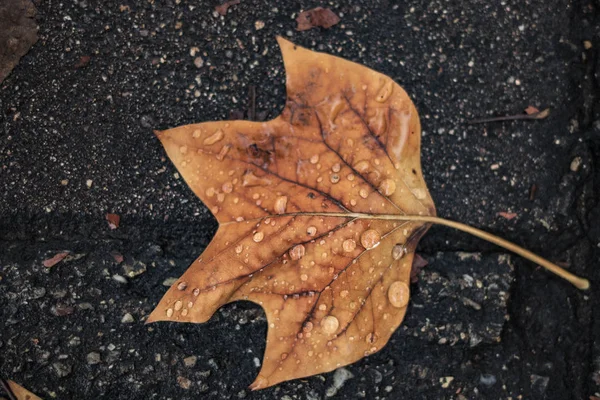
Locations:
{"points": [[76, 143]]}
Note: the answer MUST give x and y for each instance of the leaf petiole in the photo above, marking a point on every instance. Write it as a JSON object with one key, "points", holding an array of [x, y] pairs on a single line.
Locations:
{"points": [[538, 115]]}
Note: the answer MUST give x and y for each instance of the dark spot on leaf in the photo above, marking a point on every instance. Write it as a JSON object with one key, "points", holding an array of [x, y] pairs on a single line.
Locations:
{"points": [[256, 152]]}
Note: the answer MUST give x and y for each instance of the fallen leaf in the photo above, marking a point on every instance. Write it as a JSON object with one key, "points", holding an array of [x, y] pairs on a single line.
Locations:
{"points": [[19, 392], [113, 221], [58, 257], [118, 257], [61, 310], [417, 265], [316, 17], [82, 62], [222, 9], [18, 32], [286, 194], [319, 210], [531, 110], [506, 215]]}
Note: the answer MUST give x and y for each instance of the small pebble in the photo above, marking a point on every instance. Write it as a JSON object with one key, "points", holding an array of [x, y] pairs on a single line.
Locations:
{"points": [[190, 361], [127, 319], [446, 381], [487, 380], [169, 281], [576, 164], [134, 269], [38, 292], [93, 358], [340, 376], [183, 382], [62, 369], [119, 278], [85, 306], [147, 122]]}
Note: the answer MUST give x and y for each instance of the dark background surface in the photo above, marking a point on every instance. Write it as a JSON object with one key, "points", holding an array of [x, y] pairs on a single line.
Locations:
{"points": [[76, 142]]}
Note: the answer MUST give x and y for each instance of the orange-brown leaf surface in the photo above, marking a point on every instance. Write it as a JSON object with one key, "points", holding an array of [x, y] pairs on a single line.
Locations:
{"points": [[297, 199], [20, 393]]}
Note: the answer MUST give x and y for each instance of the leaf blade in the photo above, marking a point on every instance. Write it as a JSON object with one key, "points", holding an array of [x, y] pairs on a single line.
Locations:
{"points": [[284, 193]]}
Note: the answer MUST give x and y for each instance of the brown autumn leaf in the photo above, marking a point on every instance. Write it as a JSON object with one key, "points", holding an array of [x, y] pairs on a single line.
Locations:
{"points": [[18, 32], [334, 287], [19, 392], [222, 9], [316, 17], [113, 221], [118, 257], [506, 215], [531, 110], [417, 265], [83, 62], [319, 212], [52, 261]]}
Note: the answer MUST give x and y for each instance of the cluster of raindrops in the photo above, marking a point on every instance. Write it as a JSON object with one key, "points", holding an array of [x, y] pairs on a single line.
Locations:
{"points": [[180, 306]]}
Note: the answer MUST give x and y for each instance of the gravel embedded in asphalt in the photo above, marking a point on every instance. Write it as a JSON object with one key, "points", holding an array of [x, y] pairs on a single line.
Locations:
{"points": [[76, 143]]}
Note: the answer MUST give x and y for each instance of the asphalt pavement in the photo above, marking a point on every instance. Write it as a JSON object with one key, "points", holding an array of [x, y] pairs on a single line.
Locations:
{"points": [[76, 142]]}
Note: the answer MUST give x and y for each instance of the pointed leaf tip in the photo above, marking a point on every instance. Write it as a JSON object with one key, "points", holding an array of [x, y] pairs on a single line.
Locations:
{"points": [[259, 383], [283, 43]]}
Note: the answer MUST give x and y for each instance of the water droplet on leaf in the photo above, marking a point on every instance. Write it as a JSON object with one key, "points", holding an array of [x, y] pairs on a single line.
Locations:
{"points": [[280, 204], [330, 324], [398, 251], [387, 187], [370, 239], [349, 245], [297, 252], [398, 294], [227, 187], [214, 138], [385, 92]]}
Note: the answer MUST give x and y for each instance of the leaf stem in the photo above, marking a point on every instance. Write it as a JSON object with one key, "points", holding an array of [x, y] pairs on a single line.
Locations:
{"points": [[578, 282], [538, 115]]}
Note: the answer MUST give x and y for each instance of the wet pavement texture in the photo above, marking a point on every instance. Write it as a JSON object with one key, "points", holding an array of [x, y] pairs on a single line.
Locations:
{"points": [[76, 142]]}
